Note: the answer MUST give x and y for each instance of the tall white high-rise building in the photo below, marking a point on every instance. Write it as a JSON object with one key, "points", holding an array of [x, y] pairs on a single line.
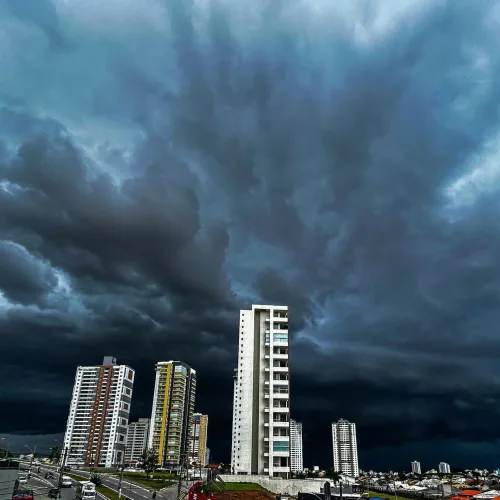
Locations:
{"points": [[415, 467], [296, 459], [345, 448], [444, 468], [98, 417], [261, 404], [137, 440]]}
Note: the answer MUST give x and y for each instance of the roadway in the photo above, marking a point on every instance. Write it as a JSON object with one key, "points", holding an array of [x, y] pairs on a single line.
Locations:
{"points": [[129, 490]]}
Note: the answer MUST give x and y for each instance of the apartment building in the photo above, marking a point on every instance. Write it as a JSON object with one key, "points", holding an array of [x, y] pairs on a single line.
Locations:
{"points": [[99, 413], [261, 401], [444, 468], [345, 448], [296, 459], [137, 440], [172, 413], [198, 440], [415, 467]]}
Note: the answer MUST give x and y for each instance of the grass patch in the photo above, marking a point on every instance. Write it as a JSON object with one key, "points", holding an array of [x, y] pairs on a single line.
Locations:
{"points": [[155, 483], [159, 481], [235, 487], [385, 496], [156, 475], [107, 492]]}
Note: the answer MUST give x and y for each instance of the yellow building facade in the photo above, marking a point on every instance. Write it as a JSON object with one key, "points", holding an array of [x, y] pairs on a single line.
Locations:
{"points": [[172, 413]]}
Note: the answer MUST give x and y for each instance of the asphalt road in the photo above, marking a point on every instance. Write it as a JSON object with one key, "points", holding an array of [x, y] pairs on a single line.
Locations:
{"points": [[129, 490], [41, 486]]}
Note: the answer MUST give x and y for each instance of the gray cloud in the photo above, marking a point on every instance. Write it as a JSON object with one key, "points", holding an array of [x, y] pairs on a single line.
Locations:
{"points": [[163, 166]]}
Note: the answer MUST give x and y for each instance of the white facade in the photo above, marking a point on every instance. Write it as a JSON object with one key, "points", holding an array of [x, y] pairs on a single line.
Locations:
{"points": [[296, 459], [345, 448], [444, 468], [137, 440], [99, 412], [261, 403], [415, 467]]}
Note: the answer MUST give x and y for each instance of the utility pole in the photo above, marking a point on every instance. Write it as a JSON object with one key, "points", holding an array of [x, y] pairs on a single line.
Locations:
{"points": [[120, 481], [61, 470], [183, 462]]}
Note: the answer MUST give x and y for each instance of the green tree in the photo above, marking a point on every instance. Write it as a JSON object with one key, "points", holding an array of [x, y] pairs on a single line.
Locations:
{"points": [[96, 479], [333, 475], [149, 461], [55, 454]]}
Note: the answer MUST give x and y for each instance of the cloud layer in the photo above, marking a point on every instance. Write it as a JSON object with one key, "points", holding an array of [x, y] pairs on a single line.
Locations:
{"points": [[164, 164]]}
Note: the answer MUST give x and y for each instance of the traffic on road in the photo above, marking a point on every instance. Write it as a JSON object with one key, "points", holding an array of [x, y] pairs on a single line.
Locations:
{"points": [[44, 484]]}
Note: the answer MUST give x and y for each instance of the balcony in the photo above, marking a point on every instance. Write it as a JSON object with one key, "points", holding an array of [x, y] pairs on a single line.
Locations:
{"points": [[281, 469], [281, 424]]}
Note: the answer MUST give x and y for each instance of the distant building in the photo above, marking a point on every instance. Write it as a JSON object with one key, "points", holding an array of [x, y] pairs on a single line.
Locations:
{"points": [[296, 459], [172, 413], [444, 468], [345, 448], [415, 467], [207, 456], [137, 440], [198, 441], [98, 417], [261, 400]]}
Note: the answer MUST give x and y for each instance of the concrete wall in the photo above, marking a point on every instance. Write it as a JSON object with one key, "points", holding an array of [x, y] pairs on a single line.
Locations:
{"points": [[281, 486]]}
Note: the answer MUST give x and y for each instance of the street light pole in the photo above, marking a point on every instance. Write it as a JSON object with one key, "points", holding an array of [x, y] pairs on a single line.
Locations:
{"points": [[120, 481], [33, 451]]}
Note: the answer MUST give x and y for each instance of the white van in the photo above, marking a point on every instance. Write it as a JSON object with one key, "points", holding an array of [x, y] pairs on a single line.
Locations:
{"points": [[66, 482], [85, 490]]}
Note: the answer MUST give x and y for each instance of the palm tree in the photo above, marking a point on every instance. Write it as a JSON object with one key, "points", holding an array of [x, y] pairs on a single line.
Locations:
{"points": [[333, 475]]}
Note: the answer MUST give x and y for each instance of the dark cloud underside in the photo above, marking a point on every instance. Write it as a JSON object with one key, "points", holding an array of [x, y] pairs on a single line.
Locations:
{"points": [[164, 164]]}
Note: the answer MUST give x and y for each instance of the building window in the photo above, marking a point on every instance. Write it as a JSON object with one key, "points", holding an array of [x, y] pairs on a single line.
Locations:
{"points": [[280, 337]]}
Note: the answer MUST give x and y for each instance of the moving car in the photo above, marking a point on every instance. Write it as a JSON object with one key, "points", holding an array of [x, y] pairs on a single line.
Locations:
{"points": [[85, 490], [66, 482], [67, 468], [49, 475], [53, 493], [22, 478]]}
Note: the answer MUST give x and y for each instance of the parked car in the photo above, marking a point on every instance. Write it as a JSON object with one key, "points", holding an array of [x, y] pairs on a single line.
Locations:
{"points": [[23, 495]]}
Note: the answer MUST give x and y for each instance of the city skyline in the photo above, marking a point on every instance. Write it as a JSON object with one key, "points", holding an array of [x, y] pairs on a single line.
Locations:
{"points": [[165, 164]]}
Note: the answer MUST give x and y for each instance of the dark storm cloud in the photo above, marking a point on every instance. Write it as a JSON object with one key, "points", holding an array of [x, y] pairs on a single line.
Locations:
{"points": [[176, 161], [23, 278]]}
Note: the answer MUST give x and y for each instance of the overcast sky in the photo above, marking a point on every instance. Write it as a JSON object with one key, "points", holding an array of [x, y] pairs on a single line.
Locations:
{"points": [[165, 163]]}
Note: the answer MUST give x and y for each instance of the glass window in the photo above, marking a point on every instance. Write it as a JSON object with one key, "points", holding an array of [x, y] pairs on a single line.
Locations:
{"points": [[280, 337], [280, 445]]}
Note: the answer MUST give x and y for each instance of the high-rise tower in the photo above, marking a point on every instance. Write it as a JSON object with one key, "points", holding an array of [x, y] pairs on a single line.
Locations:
{"points": [[345, 448], [296, 459], [261, 404], [173, 408], [198, 440], [98, 417]]}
